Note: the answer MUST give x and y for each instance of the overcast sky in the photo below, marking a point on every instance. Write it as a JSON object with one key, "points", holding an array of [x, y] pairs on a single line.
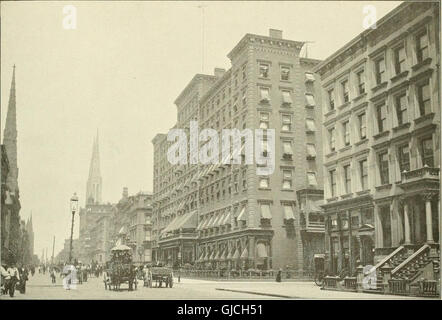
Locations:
{"points": [[120, 72]]}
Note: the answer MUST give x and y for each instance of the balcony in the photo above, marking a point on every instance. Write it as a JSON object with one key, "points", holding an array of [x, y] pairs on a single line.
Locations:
{"points": [[422, 173]]}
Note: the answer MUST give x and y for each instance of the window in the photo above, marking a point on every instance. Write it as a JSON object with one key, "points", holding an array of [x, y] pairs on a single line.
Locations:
{"points": [[362, 126], [310, 100], [263, 70], [346, 132], [383, 168], [265, 94], [364, 174], [381, 113], [287, 151], [331, 99], [264, 120], [399, 59], [287, 179], [344, 221], [265, 211], [285, 73], [422, 47], [332, 174], [310, 125], [309, 77], [264, 183], [334, 223], [288, 212], [423, 92], [427, 152], [404, 158], [311, 151], [401, 109], [264, 147], [345, 97], [332, 139], [380, 71], [347, 178], [286, 97], [361, 82], [311, 177], [286, 122]]}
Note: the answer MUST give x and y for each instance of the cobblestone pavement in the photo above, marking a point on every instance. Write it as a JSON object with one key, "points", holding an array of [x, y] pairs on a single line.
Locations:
{"points": [[40, 287]]}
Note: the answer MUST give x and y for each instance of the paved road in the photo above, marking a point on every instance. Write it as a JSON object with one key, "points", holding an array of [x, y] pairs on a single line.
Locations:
{"points": [[40, 287]]}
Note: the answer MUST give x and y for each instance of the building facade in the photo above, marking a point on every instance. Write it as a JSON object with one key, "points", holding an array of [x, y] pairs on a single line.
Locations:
{"points": [[225, 215], [381, 129]]}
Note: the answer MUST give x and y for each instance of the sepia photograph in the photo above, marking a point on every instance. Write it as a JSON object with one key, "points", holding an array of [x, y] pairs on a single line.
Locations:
{"points": [[220, 150]]}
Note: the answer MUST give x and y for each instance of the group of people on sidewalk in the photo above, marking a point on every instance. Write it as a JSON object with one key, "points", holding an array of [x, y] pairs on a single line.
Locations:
{"points": [[13, 277]]}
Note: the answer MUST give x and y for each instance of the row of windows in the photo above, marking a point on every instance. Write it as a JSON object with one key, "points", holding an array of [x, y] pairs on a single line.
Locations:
{"points": [[427, 157], [399, 57]]}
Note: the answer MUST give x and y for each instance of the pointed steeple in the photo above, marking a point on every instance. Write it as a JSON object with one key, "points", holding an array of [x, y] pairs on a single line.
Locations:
{"points": [[10, 138], [93, 188]]}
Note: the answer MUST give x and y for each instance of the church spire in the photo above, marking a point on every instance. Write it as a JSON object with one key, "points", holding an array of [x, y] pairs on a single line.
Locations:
{"points": [[93, 188], [10, 138]]}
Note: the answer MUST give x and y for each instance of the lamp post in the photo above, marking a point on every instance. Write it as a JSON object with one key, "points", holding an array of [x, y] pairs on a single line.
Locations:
{"points": [[74, 208]]}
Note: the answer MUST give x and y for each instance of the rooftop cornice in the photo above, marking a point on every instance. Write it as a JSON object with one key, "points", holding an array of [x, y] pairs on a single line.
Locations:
{"points": [[218, 83], [196, 78]]}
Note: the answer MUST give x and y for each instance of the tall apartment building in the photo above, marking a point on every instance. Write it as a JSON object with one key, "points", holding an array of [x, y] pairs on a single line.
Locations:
{"points": [[381, 131], [225, 215]]}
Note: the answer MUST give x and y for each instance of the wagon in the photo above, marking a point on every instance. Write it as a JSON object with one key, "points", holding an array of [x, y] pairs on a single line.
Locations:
{"points": [[121, 269], [159, 275]]}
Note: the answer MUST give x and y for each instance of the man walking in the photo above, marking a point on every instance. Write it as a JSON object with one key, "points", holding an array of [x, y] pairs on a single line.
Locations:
{"points": [[15, 276]]}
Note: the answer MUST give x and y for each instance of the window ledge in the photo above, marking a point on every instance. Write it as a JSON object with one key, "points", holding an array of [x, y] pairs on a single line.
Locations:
{"points": [[402, 126], [363, 192], [330, 112], [284, 131], [310, 106], [379, 86], [311, 157], [331, 154], [264, 78], [361, 141], [345, 148], [381, 134], [285, 81], [401, 75], [264, 189], [384, 187], [289, 190], [424, 117], [346, 196], [346, 104], [362, 95], [417, 66], [286, 104]]}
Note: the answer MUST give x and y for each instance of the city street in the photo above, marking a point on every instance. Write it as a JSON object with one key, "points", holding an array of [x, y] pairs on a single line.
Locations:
{"points": [[40, 287]]}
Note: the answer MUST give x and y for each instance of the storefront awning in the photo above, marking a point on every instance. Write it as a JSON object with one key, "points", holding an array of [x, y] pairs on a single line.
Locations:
{"points": [[242, 215], [261, 250], [245, 254], [236, 254]]}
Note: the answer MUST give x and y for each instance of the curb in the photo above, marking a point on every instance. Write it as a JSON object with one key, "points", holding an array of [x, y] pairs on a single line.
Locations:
{"points": [[259, 293]]}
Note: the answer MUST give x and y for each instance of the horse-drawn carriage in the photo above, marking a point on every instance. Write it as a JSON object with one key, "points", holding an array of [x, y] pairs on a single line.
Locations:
{"points": [[120, 269], [159, 275]]}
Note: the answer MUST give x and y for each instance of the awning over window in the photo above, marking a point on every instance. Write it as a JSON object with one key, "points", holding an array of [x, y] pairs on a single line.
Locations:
{"points": [[311, 150], [242, 215], [236, 254], [310, 100], [286, 97], [288, 212], [222, 256], [265, 94], [229, 254], [312, 206], [245, 254], [200, 224], [188, 221], [227, 219], [122, 230], [217, 255], [287, 148], [261, 250], [312, 178], [265, 211], [310, 125], [309, 77]]}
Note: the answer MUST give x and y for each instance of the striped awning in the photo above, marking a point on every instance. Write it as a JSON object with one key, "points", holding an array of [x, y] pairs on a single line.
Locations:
{"points": [[229, 254], [242, 215], [236, 254], [227, 219], [245, 254]]}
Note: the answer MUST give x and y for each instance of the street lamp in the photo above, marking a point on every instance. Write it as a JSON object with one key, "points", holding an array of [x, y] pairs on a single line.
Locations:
{"points": [[74, 208]]}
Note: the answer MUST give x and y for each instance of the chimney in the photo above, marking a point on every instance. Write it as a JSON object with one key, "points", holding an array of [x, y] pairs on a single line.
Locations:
{"points": [[125, 193], [274, 33], [219, 72]]}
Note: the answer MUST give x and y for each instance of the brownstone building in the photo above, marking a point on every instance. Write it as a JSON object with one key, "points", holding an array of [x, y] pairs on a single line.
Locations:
{"points": [[381, 130]]}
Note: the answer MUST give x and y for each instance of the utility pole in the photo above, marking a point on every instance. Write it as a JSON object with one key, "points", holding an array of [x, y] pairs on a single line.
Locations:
{"points": [[201, 6], [53, 246], [306, 47]]}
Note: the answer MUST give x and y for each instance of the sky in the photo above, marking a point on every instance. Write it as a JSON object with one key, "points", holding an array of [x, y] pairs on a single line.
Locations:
{"points": [[119, 72]]}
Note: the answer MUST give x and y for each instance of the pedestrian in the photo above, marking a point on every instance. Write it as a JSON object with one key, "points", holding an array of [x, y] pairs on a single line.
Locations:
{"points": [[23, 271], [5, 278], [53, 275], [279, 275], [15, 276]]}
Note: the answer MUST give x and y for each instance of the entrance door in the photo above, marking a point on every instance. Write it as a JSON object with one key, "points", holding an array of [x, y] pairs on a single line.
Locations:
{"points": [[367, 250]]}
